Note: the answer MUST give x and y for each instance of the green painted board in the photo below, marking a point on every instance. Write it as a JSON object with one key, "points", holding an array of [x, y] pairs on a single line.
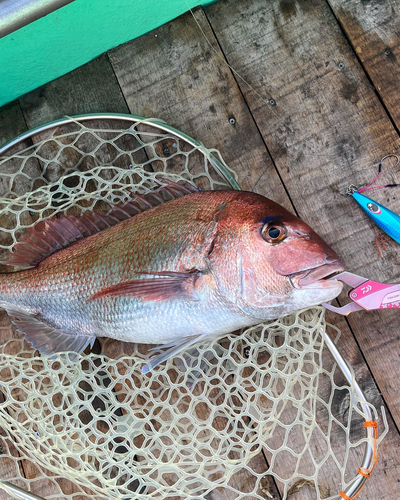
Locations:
{"points": [[75, 34]]}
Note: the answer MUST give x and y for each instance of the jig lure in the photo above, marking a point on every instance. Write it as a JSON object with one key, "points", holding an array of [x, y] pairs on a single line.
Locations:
{"points": [[387, 220]]}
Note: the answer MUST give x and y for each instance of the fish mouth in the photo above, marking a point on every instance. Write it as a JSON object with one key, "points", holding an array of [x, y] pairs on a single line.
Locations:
{"points": [[317, 277]]}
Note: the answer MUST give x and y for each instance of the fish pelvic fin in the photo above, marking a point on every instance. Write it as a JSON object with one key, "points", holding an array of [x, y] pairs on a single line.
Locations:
{"points": [[50, 235], [174, 348], [164, 285], [45, 338]]}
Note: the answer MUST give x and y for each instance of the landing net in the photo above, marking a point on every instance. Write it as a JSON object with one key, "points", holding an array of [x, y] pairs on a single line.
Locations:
{"points": [[261, 413]]}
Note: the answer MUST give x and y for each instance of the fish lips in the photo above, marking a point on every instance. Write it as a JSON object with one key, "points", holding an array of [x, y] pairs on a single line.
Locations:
{"points": [[317, 277]]}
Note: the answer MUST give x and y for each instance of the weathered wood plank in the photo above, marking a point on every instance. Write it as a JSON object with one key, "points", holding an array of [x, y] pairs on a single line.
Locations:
{"points": [[324, 131], [12, 122], [240, 143], [148, 103], [172, 74], [167, 74], [91, 88], [127, 78], [373, 31]]}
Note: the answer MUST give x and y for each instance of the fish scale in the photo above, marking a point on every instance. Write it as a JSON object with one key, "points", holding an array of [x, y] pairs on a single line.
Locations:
{"points": [[192, 268], [91, 265]]}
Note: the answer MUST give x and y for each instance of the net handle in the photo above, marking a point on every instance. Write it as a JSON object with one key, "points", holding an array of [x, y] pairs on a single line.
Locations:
{"points": [[216, 163], [16, 492], [370, 454]]}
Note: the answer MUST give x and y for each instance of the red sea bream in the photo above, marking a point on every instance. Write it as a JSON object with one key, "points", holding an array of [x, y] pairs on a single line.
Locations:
{"points": [[193, 268]]}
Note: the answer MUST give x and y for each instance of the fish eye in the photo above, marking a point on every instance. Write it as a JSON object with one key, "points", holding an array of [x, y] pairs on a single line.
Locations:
{"points": [[273, 232]]}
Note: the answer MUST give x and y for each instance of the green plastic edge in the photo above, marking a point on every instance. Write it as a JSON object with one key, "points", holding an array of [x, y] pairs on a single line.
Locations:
{"points": [[75, 34]]}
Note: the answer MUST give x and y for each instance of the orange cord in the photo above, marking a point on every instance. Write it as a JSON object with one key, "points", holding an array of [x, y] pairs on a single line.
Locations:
{"points": [[364, 472], [361, 470], [375, 456]]}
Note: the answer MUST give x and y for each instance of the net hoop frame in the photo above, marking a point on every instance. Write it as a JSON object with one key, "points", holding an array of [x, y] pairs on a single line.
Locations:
{"points": [[161, 124], [369, 455]]}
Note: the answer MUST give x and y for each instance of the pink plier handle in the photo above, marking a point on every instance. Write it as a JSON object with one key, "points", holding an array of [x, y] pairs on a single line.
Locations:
{"points": [[367, 294]]}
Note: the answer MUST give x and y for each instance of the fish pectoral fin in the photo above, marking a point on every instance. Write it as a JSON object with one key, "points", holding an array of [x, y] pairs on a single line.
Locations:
{"points": [[174, 348], [45, 338], [164, 285]]}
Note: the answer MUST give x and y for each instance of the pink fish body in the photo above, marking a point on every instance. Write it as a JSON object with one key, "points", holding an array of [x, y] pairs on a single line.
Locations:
{"points": [[190, 269]]}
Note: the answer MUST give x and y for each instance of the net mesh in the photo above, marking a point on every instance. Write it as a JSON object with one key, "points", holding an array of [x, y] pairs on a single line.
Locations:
{"points": [[262, 411]]}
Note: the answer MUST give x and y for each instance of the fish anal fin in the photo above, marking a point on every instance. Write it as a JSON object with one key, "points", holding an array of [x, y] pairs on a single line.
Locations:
{"points": [[165, 285], [45, 338], [50, 235]]}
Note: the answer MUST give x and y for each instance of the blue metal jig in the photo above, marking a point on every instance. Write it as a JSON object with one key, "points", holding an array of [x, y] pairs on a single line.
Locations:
{"points": [[387, 220]]}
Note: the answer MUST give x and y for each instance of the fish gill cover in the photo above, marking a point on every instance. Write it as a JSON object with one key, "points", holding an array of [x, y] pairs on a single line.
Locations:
{"points": [[269, 402]]}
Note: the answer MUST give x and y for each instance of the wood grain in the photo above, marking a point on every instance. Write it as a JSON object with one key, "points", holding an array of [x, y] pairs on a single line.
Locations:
{"points": [[91, 88], [319, 119], [372, 28], [327, 130], [200, 98], [373, 31], [173, 74], [12, 122]]}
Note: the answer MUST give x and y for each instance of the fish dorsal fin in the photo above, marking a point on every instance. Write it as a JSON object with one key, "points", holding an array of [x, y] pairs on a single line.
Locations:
{"points": [[50, 235]]}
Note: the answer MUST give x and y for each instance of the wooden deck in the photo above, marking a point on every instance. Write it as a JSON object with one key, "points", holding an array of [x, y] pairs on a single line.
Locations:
{"points": [[325, 110]]}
